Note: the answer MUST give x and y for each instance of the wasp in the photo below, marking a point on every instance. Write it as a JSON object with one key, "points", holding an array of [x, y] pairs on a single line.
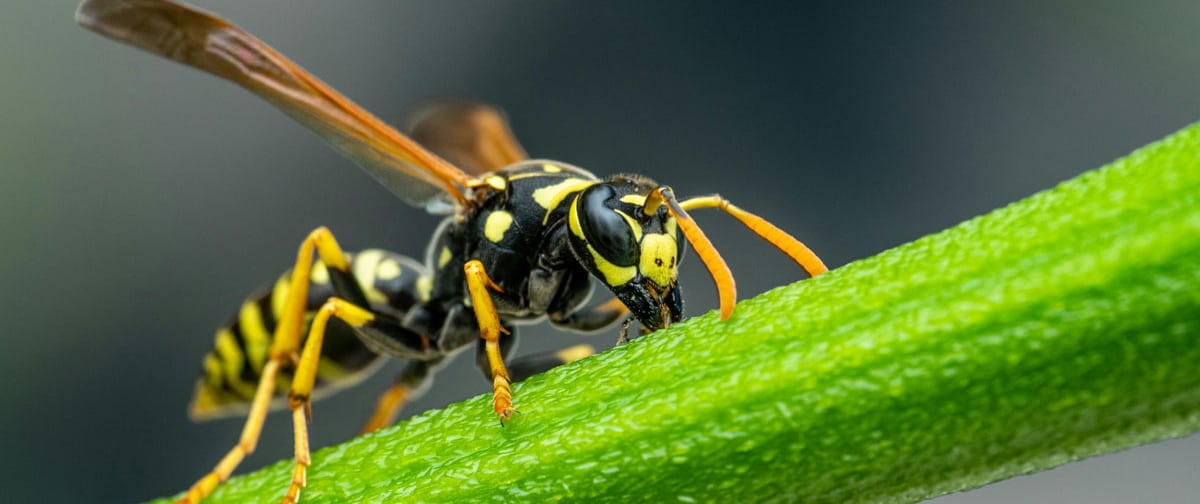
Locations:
{"points": [[520, 242]]}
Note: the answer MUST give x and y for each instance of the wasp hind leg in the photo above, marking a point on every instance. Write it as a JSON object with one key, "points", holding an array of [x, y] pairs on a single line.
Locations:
{"points": [[300, 395], [285, 351]]}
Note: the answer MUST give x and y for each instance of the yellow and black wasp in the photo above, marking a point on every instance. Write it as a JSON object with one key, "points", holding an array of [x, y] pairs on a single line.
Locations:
{"points": [[521, 241]]}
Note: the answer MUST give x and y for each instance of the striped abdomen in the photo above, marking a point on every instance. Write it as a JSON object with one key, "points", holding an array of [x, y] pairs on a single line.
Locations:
{"points": [[232, 367]]}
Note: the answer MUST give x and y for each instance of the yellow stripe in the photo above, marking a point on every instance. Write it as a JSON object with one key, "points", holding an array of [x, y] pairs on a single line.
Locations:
{"points": [[634, 199], [550, 196], [231, 358], [633, 224], [212, 370], [254, 332], [444, 257], [613, 275], [573, 219], [388, 269], [365, 264]]}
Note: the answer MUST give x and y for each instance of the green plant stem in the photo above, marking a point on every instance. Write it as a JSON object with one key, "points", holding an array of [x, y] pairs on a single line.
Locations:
{"points": [[1062, 326]]}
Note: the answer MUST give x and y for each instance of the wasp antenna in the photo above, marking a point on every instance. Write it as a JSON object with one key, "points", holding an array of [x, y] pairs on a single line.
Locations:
{"points": [[779, 238], [726, 288]]}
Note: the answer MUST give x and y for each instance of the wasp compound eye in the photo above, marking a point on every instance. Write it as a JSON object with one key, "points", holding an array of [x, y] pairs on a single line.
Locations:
{"points": [[607, 230]]}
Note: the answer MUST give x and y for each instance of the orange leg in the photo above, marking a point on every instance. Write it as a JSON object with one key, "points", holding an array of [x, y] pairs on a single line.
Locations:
{"points": [[408, 385], [478, 284], [284, 350], [528, 365], [387, 407], [300, 396]]}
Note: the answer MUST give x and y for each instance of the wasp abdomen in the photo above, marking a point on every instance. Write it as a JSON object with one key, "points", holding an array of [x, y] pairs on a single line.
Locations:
{"points": [[390, 281]]}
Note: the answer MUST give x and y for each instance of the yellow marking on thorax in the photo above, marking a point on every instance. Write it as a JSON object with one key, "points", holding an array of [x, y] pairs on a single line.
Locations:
{"points": [[364, 266], [424, 288], [549, 168], [444, 257], [550, 196], [388, 269], [254, 332], [658, 259], [496, 182], [497, 224]]}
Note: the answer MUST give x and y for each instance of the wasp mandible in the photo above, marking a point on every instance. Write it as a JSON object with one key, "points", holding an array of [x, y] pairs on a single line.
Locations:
{"points": [[521, 241]]}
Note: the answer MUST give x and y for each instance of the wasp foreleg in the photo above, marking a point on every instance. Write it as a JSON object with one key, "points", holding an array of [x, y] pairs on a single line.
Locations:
{"points": [[478, 284]]}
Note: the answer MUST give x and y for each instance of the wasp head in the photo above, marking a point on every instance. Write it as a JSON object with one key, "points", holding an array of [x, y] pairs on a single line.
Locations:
{"points": [[635, 253]]}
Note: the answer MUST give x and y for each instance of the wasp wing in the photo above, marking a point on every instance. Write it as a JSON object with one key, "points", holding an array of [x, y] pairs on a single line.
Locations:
{"points": [[473, 136], [209, 43]]}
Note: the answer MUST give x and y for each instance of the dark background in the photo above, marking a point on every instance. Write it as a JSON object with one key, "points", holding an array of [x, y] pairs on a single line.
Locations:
{"points": [[140, 200]]}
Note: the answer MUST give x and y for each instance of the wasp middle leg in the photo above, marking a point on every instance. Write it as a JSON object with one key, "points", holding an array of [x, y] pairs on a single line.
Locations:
{"points": [[408, 385]]}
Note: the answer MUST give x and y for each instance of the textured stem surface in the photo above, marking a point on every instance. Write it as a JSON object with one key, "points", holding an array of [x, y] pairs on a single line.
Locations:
{"points": [[1062, 326]]}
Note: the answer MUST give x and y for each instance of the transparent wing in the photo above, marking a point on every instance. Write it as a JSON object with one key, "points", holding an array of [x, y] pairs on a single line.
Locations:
{"points": [[473, 136], [211, 44]]}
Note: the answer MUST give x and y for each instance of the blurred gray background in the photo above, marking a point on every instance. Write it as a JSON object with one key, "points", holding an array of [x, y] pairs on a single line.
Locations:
{"points": [[140, 200]]}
